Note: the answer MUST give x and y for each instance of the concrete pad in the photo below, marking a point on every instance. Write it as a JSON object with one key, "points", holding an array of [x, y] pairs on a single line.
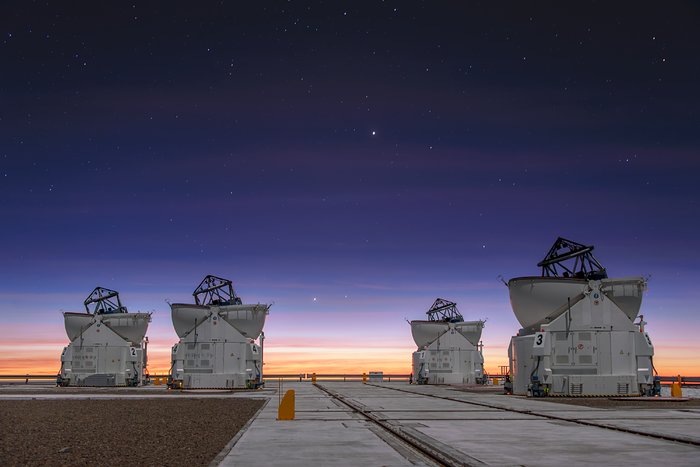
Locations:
{"points": [[495, 436], [449, 415], [311, 442], [686, 428], [545, 443], [613, 414], [323, 433]]}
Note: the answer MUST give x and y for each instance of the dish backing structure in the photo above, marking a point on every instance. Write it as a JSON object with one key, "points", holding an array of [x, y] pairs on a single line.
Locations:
{"points": [[107, 345], [578, 335], [449, 351], [217, 347]]}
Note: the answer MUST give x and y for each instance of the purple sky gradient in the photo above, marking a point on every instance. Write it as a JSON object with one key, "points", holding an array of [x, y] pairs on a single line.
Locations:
{"points": [[386, 152]]}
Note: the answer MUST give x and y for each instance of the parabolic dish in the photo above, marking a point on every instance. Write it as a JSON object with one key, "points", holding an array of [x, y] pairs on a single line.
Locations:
{"points": [[471, 330], [425, 332], [76, 323], [534, 299], [248, 319], [131, 326], [186, 316], [627, 293]]}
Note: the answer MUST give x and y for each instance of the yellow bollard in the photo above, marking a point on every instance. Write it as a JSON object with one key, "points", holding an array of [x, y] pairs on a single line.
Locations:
{"points": [[313, 378], [364, 378], [495, 381], [676, 390], [156, 381], [286, 408]]}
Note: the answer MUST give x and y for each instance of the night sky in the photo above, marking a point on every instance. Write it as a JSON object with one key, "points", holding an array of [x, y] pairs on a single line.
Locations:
{"points": [[348, 161]]}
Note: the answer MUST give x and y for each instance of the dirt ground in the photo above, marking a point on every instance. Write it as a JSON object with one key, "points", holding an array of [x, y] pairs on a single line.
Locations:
{"points": [[143, 391], [119, 432]]}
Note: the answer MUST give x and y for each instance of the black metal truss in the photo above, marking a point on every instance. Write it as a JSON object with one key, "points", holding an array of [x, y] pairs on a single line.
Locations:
{"points": [[104, 301], [444, 310], [571, 259], [215, 290]]}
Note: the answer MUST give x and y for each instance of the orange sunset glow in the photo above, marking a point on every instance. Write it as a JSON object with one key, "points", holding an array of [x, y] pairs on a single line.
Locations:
{"points": [[44, 358]]}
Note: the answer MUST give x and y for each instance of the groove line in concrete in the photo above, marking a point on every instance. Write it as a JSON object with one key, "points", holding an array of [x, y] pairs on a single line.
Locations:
{"points": [[434, 449], [676, 439]]}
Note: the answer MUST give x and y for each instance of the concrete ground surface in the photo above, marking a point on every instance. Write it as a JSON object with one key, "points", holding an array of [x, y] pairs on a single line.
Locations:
{"points": [[324, 432], [327, 432], [477, 428]]}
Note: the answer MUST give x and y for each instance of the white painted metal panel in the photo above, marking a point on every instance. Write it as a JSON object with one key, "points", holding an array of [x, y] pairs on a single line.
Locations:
{"points": [[620, 353], [425, 332]]}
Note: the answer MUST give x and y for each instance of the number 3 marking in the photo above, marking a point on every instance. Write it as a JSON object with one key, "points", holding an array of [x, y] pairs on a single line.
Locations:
{"points": [[539, 339]]}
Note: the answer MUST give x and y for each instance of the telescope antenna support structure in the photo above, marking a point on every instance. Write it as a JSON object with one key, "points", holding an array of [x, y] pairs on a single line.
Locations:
{"points": [[104, 301], [215, 290], [564, 251], [444, 310]]}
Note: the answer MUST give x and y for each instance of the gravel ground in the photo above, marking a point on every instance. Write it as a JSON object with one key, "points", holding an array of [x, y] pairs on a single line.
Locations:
{"points": [[142, 391], [119, 432]]}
